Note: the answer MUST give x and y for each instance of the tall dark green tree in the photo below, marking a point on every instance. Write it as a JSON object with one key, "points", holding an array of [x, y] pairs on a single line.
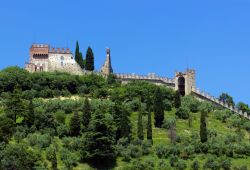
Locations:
{"points": [[78, 56], [86, 113], [29, 117], [99, 140], [13, 104], [125, 124], [90, 65], [140, 133], [203, 127], [177, 99], [149, 127], [158, 108], [75, 125]]}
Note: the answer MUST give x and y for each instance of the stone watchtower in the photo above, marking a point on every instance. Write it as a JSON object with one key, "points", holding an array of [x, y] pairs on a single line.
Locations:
{"points": [[185, 81], [107, 67]]}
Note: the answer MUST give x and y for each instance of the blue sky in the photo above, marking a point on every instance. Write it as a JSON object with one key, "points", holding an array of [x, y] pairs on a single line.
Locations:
{"points": [[160, 36]]}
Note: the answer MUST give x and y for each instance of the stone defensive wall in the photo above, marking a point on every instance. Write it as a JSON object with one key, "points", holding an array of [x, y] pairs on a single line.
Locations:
{"points": [[171, 83], [152, 78]]}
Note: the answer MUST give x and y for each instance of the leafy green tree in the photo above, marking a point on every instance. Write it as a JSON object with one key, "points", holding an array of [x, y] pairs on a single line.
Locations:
{"points": [[244, 107], [158, 108], [195, 165], [203, 127], [125, 124], [75, 125], [68, 158], [7, 128], [78, 56], [17, 156], [140, 133], [90, 60], [226, 98], [51, 156], [182, 113], [86, 113], [149, 128], [13, 104], [29, 117], [177, 99], [100, 139]]}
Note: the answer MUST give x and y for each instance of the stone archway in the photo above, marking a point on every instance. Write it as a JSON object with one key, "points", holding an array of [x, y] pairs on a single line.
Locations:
{"points": [[181, 85]]}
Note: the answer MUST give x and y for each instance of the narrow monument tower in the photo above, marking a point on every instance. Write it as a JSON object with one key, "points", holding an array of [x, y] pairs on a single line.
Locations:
{"points": [[107, 67]]}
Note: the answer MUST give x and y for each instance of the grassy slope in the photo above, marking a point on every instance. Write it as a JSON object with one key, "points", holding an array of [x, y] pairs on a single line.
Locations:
{"points": [[160, 135]]}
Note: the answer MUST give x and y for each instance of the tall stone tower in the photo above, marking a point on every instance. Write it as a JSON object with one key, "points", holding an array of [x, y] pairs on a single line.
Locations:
{"points": [[107, 67], [185, 81]]}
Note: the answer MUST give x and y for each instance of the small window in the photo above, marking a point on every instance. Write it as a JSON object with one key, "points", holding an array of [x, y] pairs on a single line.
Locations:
{"points": [[61, 63], [62, 58]]}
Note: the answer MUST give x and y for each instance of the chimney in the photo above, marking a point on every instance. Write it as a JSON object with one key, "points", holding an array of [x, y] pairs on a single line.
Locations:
{"points": [[58, 50], [53, 50], [62, 50], [67, 50]]}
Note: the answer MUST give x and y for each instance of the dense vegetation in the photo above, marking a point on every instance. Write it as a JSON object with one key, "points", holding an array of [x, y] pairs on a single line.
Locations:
{"points": [[62, 121]]}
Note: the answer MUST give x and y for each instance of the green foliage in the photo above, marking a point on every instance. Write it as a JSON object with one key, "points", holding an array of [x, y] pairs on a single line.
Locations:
{"points": [[158, 108], [226, 98], [18, 156], [203, 127], [100, 139], [75, 125], [39, 140], [86, 116], [78, 56], [177, 99], [90, 60], [51, 156], [7, 128], [182, 113], [140, 133], [191, 103], [195, 165], [68, 158], [149, 128]]}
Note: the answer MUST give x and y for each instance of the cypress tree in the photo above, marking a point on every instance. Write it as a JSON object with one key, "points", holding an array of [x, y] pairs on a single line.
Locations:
{"points": [[86, 113], [99, 146], [125, 125], [158, 108], [140, 134], [177, 99], [149, 128], [78, 56], [203, 127], [75, 125], [30, 117], [90, 66], [77, 53]]}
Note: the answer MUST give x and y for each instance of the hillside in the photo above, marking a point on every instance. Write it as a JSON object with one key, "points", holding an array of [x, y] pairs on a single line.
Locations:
{"points": [[61, 121]]}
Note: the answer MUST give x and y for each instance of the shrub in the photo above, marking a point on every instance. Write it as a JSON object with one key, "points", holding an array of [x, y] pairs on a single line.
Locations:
{"points": [[135, 150], [182, 113], [195, 165], [62, 130], [161, 151], [168, 123], [181, 165], [39, 140], [190, 102]]}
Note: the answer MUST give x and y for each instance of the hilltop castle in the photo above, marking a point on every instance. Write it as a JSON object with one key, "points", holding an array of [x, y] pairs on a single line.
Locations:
{"points": [[44, 58]]}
